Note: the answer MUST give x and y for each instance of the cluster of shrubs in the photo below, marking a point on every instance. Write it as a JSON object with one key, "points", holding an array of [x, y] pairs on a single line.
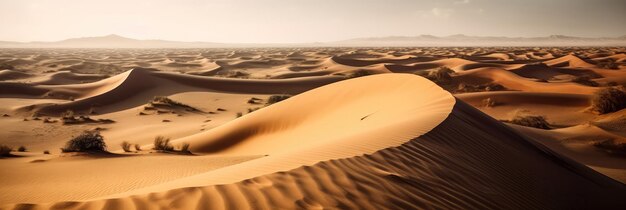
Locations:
{"points": [[529, 120], [276, 98], [88, 141], [608, 64], [165, 102], [607, 100], [463, 87], [162, 144], [69, 118], [358, 73], [612, 147], [585, 80]]}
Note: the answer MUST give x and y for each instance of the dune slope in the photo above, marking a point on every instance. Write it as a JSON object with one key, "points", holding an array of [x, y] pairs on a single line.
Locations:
{"points": [[431, 152]]}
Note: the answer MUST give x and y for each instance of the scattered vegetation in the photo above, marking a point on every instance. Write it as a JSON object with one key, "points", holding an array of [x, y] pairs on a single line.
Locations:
{"points": [[21, 149], [125, 146], [276, 98], [612, 147], [5, 151], [465, 88], [585, 80], [162, 144], [440, 75], [70, 118], [489, 102], [164, 102], [608, 64], [184, 147], [88, 141], [535, 121], [607, 100], [358, 73]]}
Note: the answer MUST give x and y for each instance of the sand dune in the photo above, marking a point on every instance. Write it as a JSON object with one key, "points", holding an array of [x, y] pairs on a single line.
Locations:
{"points": [[460, 152], [345, 139]]}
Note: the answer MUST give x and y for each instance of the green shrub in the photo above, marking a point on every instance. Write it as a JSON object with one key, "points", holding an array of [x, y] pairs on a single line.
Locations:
{"points": [[609, 100], [88, 141], [162, 144]]}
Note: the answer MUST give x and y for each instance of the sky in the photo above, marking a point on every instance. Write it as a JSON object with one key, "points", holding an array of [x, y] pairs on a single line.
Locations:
{"points": [[297, 21]]}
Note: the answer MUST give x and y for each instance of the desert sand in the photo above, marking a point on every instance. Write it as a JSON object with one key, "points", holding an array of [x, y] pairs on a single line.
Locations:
{"points": [[364, 128]]}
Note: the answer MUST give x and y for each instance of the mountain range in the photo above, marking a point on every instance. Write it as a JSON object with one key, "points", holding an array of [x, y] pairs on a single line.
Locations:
{"points": [[116, 41]]}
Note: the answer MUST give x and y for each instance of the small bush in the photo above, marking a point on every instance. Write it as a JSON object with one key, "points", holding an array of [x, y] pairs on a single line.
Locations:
{"points": [[165, 101], [534, 121], [358, 73], [239, 114], [612, 147], [162, 144], [585, 80], [125, 146], [276, 98], [608, 64], [21, 149], [609, 100], [184, 147], [85, 142], [137, 147], [46, 152], [5, 150], [441, 75]]}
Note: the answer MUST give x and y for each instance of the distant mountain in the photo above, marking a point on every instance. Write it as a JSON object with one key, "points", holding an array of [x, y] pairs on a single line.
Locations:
{"points": [[464, 40], [116, 41]]}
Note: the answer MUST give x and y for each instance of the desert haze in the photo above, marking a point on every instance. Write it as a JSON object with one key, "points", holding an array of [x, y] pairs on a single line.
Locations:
{"points": [[276, 104]]}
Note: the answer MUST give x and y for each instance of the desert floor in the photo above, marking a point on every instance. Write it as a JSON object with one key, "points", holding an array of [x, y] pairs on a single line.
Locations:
{"points": [[364, 128]]}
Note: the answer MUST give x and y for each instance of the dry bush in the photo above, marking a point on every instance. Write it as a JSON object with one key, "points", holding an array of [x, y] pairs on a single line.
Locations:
{"points": [[612, 147], [165, 101], [184, 147], [239, 114], [441, 75], [528, 120], [88, 141], [137, 147], [46, 152], [125, 146], [276, 98], [358, 73], [162, 144], [5, 150], [21, 149], [609, 100]]}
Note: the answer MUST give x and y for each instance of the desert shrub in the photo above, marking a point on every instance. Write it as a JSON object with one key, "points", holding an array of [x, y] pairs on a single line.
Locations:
{"points": [[46, 152], [441, 74], [162, 144], [585, 80], [5, 150], [612, 147], [165, 101], [137, 147], [609, 100], [489, 102], [534, 121], [85, 142], [21, 149], [125, 146], [276, 98], [184, 147], [239, 114], [358, 73], [608, 64]]}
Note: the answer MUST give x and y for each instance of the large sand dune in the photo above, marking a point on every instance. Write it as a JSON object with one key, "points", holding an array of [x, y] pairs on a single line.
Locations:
{"points": [[345, 139]]}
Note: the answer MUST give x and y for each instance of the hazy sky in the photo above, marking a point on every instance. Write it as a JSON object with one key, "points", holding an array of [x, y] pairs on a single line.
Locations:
{"points": [[282, 21]]}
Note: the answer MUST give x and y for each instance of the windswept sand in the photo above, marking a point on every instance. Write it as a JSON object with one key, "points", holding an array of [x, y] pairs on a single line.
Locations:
{"points": [[389, 141]]}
